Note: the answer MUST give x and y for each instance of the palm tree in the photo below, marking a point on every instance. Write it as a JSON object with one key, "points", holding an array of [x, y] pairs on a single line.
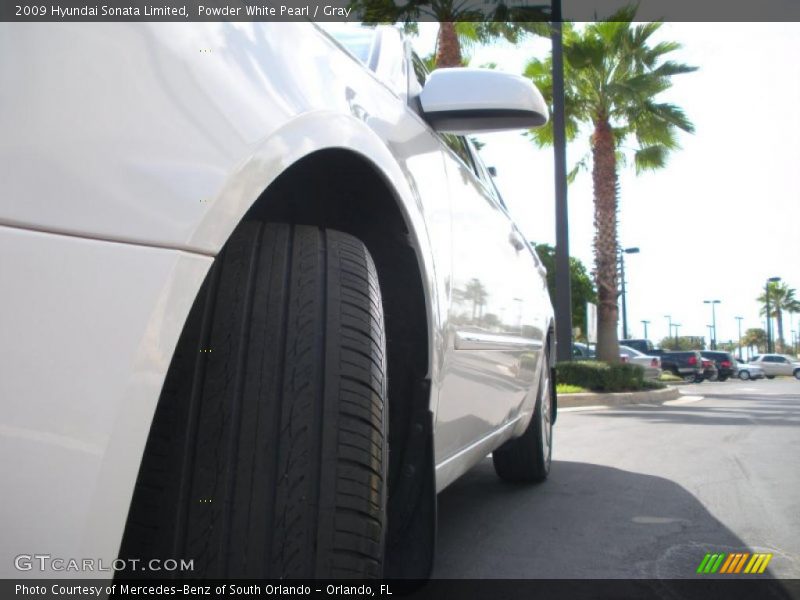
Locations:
{"points": [[755, 337], [781, 299], [612, 76], [460, 22]]}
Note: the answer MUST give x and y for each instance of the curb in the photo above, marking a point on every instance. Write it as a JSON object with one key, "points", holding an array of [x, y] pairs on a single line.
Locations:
{"points": [[620, 399]]}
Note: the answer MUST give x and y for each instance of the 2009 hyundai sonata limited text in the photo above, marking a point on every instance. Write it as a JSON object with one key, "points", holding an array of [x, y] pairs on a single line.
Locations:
{"points": [[261, 300]]}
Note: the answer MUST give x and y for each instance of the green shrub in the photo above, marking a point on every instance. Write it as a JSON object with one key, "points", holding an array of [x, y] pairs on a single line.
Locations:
{"points": [[566, 388], [600, 376], [649, 384]]}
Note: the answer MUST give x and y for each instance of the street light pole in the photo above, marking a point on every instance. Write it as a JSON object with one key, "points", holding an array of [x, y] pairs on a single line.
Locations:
{"points": [[769, 319], [669, 319], [645, 323], [676, 326], [710, 333], [622, 277], [563, 308], [739, 323], [713, 322]]}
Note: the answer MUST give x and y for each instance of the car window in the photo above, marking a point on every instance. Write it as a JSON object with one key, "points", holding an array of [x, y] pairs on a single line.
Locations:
{"points": [[417, 77], [420, 70], [631, 351], [458, 144], [771, 359], [358, 40]]}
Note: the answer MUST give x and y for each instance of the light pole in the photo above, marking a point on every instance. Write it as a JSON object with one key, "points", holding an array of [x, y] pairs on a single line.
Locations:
{"points": [[669, 319], [645, 323], [710, 333], [563, 307], [676, 326], [769, 320], [622, 253], [713, 323], [739, 323]]}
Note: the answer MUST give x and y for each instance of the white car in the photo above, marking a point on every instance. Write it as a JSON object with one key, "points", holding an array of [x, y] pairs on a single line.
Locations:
{"points": [[749, 370], [650, 364], [777, 364], [261, 302]]}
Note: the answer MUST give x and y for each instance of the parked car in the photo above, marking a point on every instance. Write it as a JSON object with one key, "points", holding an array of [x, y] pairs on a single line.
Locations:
{"points": [[582, 351], [777, 364], [642, 345], [212, 261], [650, 364], [710, 371], [684, 363], [724, 361], [747, 370]]}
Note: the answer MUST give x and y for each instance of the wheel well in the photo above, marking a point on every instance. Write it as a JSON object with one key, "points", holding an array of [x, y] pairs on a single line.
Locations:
{"points": [[341, 190]]}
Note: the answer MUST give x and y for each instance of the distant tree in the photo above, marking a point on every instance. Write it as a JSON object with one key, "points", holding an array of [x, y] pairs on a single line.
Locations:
{"points": [[781, 299], [581, 282], [757, 337]]}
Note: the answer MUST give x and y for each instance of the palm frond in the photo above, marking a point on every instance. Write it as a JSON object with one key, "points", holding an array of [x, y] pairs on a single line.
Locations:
{"points": [[650, 158], [581, 165]]}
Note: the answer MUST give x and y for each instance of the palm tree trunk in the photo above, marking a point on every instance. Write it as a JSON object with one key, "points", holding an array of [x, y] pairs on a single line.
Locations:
{"points": [[448, 48], [779, 317], [604, 178]]}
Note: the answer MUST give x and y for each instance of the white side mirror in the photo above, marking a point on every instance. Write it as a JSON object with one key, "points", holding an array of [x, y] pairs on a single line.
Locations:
{"points": [[464, 100]]}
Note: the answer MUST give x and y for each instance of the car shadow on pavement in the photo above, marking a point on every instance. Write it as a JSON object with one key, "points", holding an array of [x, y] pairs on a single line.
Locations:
{"points": [[586, 521]]}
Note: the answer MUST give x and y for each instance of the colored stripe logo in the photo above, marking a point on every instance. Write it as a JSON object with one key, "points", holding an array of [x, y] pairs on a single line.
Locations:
{"points": [[733, 563]]}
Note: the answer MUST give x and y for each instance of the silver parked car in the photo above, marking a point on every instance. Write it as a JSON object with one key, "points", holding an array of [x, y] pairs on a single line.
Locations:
{"points": [[777, 364], [650, 364], [749, 370]]}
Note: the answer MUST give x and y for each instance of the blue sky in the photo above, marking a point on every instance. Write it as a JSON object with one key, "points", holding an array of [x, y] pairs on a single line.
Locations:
{"points": [[725, 213]]}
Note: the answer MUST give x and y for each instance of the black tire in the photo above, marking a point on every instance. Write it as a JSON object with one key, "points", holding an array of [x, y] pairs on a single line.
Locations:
{"points": [[797, 373], [268, 454], [744, 375], [527, 458], [724, 378], [770, 376]]}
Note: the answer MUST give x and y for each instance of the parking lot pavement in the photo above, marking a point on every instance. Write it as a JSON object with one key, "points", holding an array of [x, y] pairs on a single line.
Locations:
{"points": [[641, 492]]}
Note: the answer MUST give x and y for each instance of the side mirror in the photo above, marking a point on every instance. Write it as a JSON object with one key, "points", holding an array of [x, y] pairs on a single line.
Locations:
{"points": [[464, 100]]}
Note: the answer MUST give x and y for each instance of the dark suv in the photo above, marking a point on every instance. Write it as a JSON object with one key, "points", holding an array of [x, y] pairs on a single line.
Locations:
{"points": [[688, 365], [726, 365]]}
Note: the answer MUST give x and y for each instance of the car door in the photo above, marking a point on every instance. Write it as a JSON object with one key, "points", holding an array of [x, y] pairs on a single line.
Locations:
{"points": [[783, 366], [770, 365], [496, 322]]}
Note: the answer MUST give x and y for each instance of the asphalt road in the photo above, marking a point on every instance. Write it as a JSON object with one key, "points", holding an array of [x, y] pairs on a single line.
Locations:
{"points": [[640, 492]]}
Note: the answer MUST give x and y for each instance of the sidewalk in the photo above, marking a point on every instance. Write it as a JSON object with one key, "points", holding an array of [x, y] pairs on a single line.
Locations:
{"points": [[618, 399]]}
